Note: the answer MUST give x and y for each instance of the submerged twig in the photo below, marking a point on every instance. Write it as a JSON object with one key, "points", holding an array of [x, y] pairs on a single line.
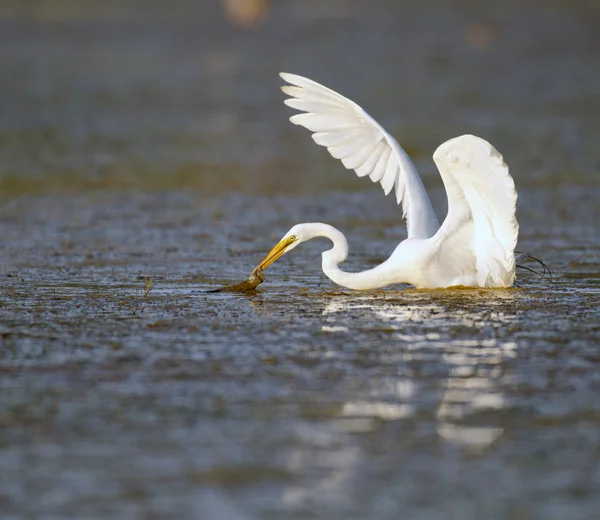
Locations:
{"points": [[148, 284], [139, 301]]}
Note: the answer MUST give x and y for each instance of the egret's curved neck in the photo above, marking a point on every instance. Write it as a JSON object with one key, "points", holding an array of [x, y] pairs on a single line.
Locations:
{"points": [[370, 279]]}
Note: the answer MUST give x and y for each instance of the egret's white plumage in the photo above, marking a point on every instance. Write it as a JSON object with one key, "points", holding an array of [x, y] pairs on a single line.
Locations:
{"points": [[354, 137], [475, 244]]}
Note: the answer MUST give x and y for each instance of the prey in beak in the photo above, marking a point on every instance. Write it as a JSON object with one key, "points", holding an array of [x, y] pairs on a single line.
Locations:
{"points": [[257, 276]]}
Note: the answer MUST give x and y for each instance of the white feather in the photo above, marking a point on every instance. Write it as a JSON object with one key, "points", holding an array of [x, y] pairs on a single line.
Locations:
{"points": [[481, 208], [354, 137]]}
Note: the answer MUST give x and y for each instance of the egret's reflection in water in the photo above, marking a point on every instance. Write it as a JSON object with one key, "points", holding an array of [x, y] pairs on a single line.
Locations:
{"points": [[475, 376], [438, 373]]}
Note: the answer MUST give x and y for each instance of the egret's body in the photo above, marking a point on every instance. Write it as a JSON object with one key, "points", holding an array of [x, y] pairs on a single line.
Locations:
{"points": [[475, 244]]}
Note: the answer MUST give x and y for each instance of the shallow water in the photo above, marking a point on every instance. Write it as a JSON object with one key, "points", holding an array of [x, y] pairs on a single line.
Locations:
{"points": [[145, 157]]}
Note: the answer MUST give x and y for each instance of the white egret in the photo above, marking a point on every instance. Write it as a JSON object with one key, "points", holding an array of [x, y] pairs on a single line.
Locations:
{"points": [[475, 245]]}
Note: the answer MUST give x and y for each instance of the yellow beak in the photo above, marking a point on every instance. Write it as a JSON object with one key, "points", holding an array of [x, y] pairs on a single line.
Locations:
{"points": [[277, 252]]}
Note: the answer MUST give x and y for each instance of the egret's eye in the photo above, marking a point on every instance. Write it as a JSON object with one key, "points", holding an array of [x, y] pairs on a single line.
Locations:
{"points": [[292, 237]]}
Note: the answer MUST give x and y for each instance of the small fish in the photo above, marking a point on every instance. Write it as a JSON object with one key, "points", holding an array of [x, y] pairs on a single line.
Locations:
{"points": [[257, 276], [250, 284]]}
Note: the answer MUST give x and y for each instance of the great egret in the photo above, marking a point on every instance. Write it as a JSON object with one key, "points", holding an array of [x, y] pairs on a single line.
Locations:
{"points": [[475, 245]]}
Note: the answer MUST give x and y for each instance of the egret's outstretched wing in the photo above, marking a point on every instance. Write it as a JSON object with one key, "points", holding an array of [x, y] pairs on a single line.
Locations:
{"points": [[481, 208], [354, 137]]}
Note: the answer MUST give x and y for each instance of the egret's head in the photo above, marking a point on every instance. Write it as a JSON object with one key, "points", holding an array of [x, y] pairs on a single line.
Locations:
{"points": [[294, 237]]}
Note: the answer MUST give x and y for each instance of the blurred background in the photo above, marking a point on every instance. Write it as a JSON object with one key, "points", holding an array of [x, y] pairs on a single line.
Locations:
{"points": [[146, 155], [154, 95]]}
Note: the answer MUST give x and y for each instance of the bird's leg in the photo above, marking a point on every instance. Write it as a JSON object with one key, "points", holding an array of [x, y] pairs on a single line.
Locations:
{"points": [[546, 273]]}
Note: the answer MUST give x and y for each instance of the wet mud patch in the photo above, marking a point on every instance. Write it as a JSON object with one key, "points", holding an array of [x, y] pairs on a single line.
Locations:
{"points": [[118, 367]]}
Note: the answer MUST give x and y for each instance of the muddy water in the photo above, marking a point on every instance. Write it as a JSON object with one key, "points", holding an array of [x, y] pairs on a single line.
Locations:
{"points": [[145, 157]]}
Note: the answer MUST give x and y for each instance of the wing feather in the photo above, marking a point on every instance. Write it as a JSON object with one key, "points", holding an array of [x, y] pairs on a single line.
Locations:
{"points": [[357, 158], [324, 122], [390, 175], [325, 95], [371, 161], [329, 139], [313, 106], [351, 149], [379, 170], [481, 207], [354, 137]]}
